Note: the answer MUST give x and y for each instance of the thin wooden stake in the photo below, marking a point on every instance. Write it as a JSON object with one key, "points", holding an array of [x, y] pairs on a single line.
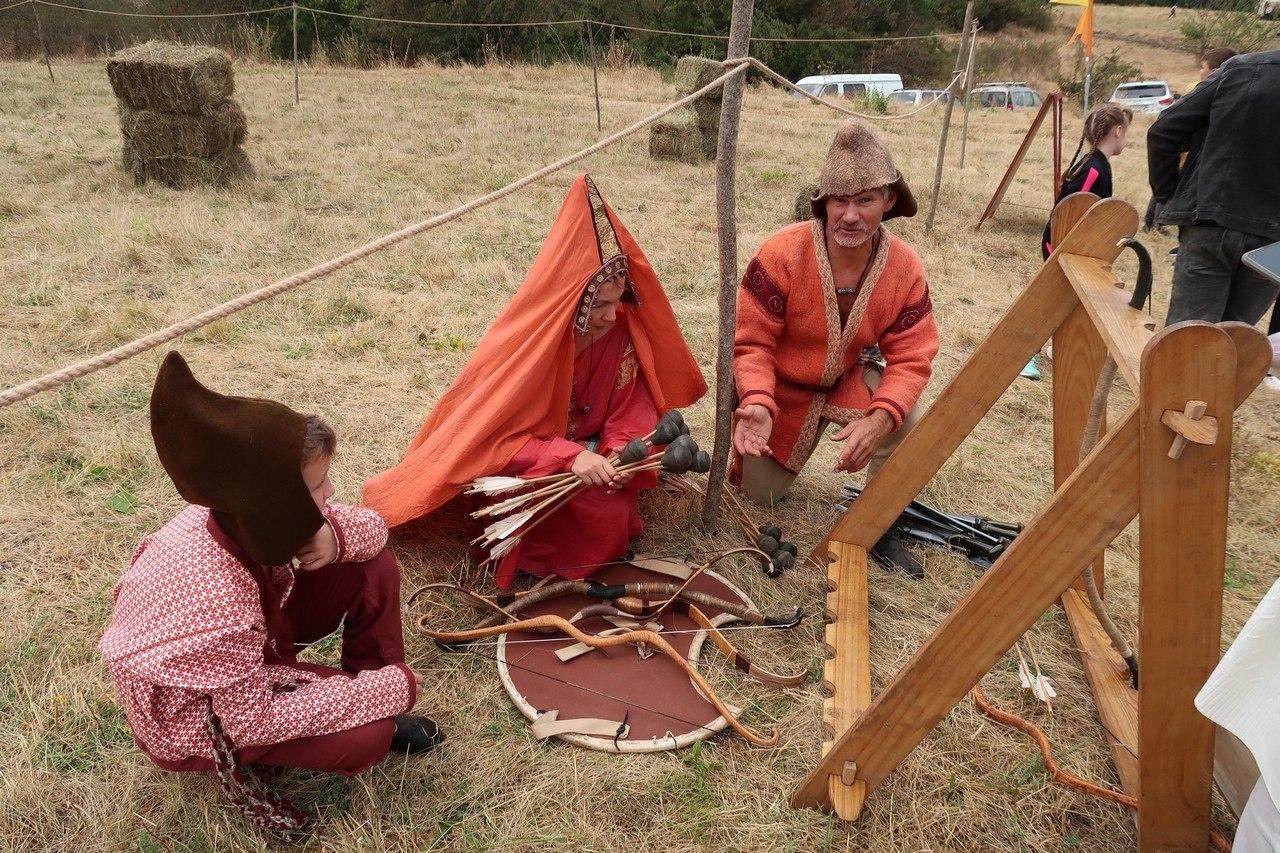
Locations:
{"points": [[968, 89], [35, 13], [727, 229], [296, 96], [595, 74], [946, 119]]}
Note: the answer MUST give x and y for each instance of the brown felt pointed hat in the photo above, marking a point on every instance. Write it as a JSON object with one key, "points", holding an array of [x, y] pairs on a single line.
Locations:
{"points": [[857, 161], [239, 456]]}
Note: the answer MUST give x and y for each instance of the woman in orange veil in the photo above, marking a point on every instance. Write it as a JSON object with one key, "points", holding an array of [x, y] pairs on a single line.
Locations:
{"points": [[586, 356]]}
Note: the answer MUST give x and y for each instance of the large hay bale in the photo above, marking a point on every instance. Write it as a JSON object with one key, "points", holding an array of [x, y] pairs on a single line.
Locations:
{"points": [[181, 172], [171, 78], [159, 134], [708, 113], [804, 209], [676, 137], [694, 72]]}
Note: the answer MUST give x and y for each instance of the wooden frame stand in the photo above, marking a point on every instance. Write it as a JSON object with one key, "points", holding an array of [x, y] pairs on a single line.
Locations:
{"points": [[1167, 463], [1052, 104]]}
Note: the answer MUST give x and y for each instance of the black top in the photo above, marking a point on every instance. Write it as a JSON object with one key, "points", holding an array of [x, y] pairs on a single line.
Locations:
{"points": [[1093, 176]]}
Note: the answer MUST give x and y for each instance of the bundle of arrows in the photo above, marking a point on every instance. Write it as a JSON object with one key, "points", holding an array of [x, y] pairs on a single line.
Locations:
{"points": [[668, 448]]}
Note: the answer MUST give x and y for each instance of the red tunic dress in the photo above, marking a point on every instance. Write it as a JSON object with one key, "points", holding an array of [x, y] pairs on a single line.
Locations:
{"points": [[610, 406]]}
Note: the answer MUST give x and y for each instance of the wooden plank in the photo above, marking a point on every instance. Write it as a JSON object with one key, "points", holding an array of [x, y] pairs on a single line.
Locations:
{"points": [[1090, 509], [846, 675], [1108, 677], [1125, 330], [1034, 316], [1182, 547], [1234, 770], [1078, 353]]}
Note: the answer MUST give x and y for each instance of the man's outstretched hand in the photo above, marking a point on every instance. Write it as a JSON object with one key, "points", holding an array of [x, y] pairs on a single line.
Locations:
{"points": [[752, 431], [862, 438]]}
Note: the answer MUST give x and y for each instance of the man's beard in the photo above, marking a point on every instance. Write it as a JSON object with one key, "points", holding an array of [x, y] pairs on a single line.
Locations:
{"points": [[847, 239]]}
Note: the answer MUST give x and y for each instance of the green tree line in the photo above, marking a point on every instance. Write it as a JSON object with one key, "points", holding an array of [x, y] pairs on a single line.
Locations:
{"points": [[369, 42]]}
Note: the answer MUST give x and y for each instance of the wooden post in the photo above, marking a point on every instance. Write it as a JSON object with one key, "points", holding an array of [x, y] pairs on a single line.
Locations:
{"points": [[846, 674], [1182, 555], [946, 119], [968, 90], [727, 233], [296, 96], [595, 74], [1057, 145], [35, 13]]}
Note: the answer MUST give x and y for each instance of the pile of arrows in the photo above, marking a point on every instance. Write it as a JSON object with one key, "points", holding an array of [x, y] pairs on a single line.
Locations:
{"points": [[980, 539], [533, 500]]}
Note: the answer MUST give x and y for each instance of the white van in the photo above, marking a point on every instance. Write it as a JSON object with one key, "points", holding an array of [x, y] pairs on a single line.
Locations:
{"points": [[848, 85]]}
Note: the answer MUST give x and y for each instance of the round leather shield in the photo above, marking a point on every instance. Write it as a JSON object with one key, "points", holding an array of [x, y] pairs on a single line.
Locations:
{"points": [[617, 699]]}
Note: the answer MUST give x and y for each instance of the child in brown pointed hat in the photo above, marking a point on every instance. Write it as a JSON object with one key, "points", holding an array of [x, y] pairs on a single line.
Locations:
{"points": [[211, 614]]}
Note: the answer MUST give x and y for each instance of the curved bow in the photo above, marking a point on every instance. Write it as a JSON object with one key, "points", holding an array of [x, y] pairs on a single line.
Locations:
{"points": [[648, 638]]}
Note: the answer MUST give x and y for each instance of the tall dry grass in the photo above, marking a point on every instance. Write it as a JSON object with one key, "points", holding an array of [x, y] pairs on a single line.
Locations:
{"points": [[87, 261]]}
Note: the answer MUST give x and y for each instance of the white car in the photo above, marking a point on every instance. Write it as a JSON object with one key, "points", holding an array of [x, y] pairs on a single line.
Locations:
{"points": [[848, 85], [1005, 96], [919, 97], [1268, 9], [1145, 96]]}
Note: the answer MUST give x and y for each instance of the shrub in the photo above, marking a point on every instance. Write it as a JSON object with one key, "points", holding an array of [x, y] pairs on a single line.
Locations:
{"points": [[1227, 23]]}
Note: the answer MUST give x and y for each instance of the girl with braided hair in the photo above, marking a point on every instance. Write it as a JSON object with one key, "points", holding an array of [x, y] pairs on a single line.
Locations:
{"points": [[1105, 134]]}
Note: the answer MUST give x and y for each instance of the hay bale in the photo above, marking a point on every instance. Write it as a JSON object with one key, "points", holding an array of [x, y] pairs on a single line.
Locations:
{"points": [[158, 134], [694, 72], [803, 209], [171, 78], [708, 113], [676, 137], [181, 172]]}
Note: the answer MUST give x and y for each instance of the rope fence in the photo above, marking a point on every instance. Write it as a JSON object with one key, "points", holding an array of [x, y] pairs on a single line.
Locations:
{"points": [[136, 347], [480, 24]]}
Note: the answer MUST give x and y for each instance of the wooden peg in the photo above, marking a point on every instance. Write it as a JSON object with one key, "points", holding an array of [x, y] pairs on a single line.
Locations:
{"points": [[1190, 424], [849, 774]]}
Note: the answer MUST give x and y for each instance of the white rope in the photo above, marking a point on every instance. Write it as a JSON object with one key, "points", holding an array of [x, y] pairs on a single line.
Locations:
{"points": [[16, 5], [782, 39], [956, 79], [155, 339], [153, 15], [574, 21]]}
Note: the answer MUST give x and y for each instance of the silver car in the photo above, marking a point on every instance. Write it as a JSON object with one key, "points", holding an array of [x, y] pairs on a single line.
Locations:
{"points": [[1145, 96], [918, 97]]}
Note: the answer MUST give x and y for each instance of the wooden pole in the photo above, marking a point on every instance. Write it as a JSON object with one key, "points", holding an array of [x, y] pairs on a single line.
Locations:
{"points": [[727, 230], [1182, 555], [595, 74], [296, 96], [968, 89], [946, 119], [1088, 81], [35, 13]]}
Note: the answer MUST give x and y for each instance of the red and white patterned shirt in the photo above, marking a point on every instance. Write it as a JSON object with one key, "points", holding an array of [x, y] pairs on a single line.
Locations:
{"points": [[188, 624]]}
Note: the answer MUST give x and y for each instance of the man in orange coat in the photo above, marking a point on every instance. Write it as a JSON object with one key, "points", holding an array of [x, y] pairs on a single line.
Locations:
{"points": [[815, 298]]}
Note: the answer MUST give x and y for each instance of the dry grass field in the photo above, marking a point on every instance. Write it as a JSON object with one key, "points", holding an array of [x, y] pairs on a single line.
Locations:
{"points": [[88, 260]]}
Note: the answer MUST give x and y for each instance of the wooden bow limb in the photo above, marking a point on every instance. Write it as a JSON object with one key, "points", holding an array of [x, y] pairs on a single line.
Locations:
{"points": [[737, 659], [648, 638], [619, 594]]}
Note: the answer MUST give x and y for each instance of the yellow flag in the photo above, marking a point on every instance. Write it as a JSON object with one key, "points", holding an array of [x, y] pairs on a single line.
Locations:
{"points": [[1070, 2], [1084, 29]]}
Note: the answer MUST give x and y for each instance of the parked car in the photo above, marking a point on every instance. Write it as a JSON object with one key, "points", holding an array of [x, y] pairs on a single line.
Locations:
{"points": [[1013, 95], [1144, 96], [1268, 9], [919, 97], [848, 85]]}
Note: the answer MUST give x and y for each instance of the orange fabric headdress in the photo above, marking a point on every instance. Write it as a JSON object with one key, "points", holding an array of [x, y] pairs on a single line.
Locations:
{"points": [[518, 382]]}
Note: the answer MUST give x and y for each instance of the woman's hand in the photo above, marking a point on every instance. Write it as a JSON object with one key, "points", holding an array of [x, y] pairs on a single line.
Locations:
{"points": [[320, 551], [595, 470], [751, 432]]}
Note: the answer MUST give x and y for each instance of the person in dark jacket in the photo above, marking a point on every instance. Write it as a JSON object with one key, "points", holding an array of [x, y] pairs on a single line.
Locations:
{"points": [[1227, 200]]}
